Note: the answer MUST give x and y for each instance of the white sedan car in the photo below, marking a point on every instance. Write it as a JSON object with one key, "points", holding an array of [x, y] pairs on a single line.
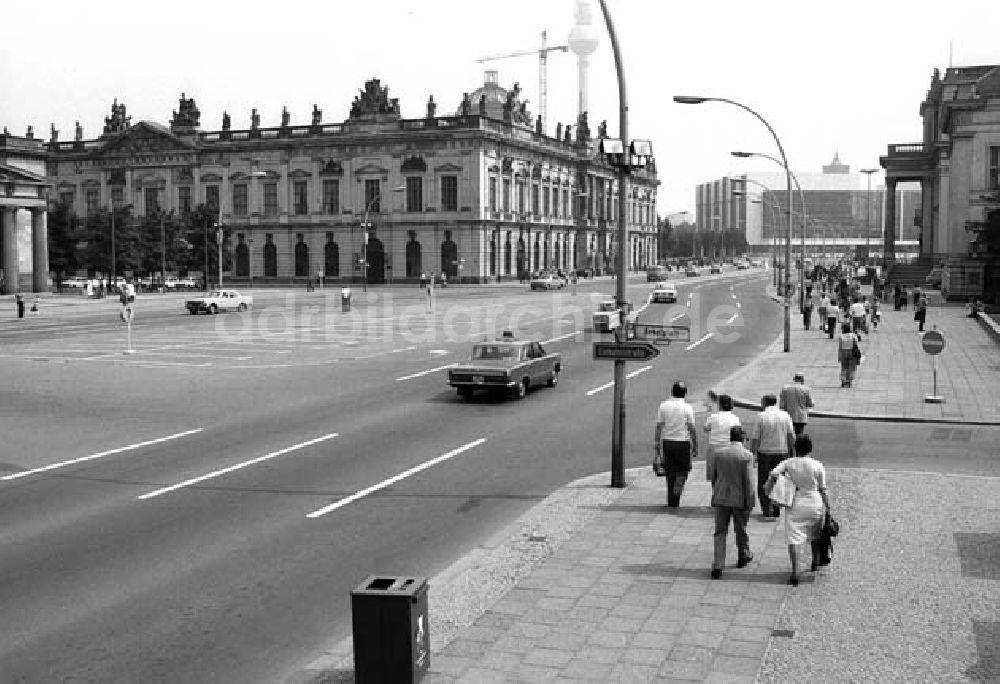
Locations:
{"points": [[664, 292]]}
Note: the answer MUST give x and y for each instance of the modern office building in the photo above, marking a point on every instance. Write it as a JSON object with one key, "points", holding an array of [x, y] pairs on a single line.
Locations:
{"points": [[957, 166], [477, 193], [841, 216]]}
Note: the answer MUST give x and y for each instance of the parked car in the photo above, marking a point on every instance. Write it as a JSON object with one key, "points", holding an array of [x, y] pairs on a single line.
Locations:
{"points": [[664, 292], [716, 268], [691, 272], [655, 274], [742, 266], [75, 282], [757, 263], [547, 281], [506, 365], [219, 300], [585, 272]]}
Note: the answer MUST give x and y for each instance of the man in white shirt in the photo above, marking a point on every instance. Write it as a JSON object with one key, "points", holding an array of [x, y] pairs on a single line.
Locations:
{"points": [[796, 399], [772, 440], [858, 317], [677, 439], [719, 426]]}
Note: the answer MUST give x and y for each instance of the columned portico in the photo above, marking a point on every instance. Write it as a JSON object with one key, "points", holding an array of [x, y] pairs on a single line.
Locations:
{"points": [[889, 245], [8, 244], [39, 251]]}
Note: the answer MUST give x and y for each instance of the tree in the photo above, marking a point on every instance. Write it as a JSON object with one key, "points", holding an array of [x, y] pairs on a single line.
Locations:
{"points": [[64, 235]]}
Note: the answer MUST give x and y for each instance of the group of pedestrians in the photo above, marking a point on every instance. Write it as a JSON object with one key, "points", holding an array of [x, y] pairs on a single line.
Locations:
{"points": [[740, 476]]}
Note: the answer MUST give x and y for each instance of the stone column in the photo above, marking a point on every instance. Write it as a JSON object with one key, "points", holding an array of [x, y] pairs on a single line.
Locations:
{"points": [[927, 216], [39, 251], [8, 236], [889, 241]]}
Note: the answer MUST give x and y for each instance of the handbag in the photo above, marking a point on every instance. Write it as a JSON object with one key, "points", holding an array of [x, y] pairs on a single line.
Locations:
{"points": [[659, 469], [782, 491], [856, 352]]}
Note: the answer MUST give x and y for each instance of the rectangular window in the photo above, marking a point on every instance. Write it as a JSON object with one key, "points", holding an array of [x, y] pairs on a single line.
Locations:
{"points": [[565, 204], [240, 206], [67, 198], [449, 193], [184, 199], [414, 193], [300, 193], [270, 199], [546, 205], [372, 197], [520, 197], [493, 194], [152, 197], [212, 198], [331, 197], [534, 199], [994, 168], [506, 195], [555, 201], [93, 199], [117, 196]]}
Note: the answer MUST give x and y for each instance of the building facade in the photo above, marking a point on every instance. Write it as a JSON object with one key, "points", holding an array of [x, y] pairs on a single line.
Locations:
{"points": [[477, 194], [957, 164], [23, 227], [841, 216]]}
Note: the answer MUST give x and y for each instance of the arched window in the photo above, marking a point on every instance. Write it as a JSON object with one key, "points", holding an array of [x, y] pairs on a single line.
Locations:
{"points": [[538, 252], [493, 252], [331, 258], [301, 257], [270, 258], [522, 258], [556, 261], [413, 257], [506, 255], [242, 260], [449, 256]]}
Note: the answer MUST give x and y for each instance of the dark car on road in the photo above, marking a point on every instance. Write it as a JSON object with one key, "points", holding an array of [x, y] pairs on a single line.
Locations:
{"points": [[506, 365]]}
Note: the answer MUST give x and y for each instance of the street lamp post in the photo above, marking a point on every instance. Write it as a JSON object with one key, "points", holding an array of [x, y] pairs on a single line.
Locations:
{"points": [[868, 215], [802, 235], [623, 155], [113, 240], [163, 255], [365, 225], [219, 236]]}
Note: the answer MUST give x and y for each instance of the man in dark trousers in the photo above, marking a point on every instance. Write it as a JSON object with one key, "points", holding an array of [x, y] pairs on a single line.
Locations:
{"points": [[733, 497], [20, 305], [772, 440]]}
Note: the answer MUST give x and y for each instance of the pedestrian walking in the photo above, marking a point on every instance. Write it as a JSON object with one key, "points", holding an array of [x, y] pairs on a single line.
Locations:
{"points": [[804, 518], [772, 439], [824, 303], [832, 312], [795, 399], [858, 316], [876, 313], [849, 354], [731, 475], [898, 297], [916, 297], [718, 426], [676, 438], [921, 310], [807, 309], [19, 302]]}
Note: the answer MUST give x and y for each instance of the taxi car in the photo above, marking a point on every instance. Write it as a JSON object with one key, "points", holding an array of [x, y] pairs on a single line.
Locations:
{"points": [[664, 292], [506, 365]]}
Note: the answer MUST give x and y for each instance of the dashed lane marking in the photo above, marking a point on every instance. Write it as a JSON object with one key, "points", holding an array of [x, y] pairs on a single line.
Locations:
{"points": [[704, 337], [394, 479], [109, 452], [238, 466], [606, 385]]}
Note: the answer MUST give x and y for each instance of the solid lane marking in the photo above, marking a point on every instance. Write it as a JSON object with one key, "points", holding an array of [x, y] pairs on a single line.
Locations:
{"points": [[606, 385], [395, 478], [238, 466], [695, 344], [426, 372], [91, 457]]}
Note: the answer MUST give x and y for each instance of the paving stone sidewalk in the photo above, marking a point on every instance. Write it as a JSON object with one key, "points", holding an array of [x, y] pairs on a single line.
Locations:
{"points": [[895, 374]]}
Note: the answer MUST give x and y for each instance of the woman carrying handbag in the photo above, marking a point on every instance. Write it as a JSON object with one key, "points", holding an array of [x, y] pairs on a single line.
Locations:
{"points": [[805, 517]]}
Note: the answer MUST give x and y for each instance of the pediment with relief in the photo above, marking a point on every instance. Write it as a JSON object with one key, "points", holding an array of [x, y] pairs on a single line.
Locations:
{"points": [[447, 168], [146, 138], [372, 169]]}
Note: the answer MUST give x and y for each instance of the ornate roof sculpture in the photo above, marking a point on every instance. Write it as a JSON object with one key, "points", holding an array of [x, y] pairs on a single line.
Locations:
{"points": [[186, 116], [374, 103], [117, 122], [496, 102]]}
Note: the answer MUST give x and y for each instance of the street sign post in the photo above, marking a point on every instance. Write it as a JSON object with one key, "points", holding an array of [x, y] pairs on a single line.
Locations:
{"points": [[662, 334], [625, 351], [933, 344]]}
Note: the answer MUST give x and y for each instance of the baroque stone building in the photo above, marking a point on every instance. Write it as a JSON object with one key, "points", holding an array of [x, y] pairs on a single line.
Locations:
{"points": [[957, 164], [23, 229], [478, 194]]}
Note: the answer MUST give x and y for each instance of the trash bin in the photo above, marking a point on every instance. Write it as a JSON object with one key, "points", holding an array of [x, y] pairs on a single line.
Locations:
{"points": [[345, 299], [391, 631]]}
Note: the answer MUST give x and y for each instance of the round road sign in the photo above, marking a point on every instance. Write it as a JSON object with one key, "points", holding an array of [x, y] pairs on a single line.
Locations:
{"points": [[933, 342]]}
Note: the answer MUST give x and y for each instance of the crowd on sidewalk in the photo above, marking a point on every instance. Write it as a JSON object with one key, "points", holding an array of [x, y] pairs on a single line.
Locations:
{"points": [[776, 470]]}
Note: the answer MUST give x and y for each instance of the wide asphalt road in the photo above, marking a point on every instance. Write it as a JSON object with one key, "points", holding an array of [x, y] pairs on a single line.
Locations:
{"points": [[199, 511]]}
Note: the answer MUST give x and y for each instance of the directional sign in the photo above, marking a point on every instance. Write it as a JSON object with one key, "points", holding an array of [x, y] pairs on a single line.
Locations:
{"points": [[933, 342], [663, 334], [625, 351]]}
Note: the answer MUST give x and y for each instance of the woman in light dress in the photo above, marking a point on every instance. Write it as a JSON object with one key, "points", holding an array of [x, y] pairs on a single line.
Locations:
{"points": [[718, 425], [804, 518]]}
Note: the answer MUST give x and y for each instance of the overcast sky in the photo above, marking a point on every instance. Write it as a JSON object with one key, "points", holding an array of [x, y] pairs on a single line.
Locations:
{"points": [[845, 76]]}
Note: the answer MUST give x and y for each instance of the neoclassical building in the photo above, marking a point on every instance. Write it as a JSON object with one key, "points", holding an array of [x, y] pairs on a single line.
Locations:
{"points": [[23, 229], [481, 193]]}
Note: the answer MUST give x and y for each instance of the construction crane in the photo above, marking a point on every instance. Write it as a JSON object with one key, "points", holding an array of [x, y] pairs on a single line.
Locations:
{"points": [[543, 55]]}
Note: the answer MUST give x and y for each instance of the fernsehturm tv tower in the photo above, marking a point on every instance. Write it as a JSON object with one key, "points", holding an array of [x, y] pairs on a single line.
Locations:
{"points": [[583, 41]]}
